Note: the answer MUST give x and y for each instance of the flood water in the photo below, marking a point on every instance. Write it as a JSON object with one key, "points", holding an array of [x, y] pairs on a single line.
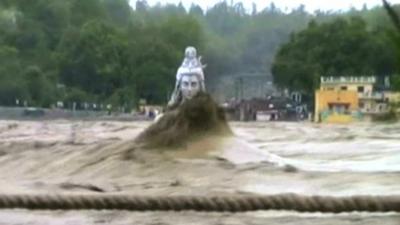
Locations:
{"points": [[69, 156]]}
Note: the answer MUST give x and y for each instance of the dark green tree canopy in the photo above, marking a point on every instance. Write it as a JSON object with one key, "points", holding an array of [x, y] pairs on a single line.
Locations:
{"points": [[343, 47], [106, 51]]}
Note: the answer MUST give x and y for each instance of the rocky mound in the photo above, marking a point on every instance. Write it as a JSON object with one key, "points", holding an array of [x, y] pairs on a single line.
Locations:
{"points": [[195, 118]]}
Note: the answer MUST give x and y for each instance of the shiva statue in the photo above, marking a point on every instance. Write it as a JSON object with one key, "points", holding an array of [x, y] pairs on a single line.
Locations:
{"points": [[189, 78]]}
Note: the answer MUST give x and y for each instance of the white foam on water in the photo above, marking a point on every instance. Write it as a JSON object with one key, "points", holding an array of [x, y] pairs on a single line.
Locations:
{"points": [[326, 148]]}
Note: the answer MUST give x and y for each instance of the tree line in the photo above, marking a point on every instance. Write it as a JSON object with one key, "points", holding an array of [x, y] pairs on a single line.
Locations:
{"points": [[109, 52], [358, 43]]}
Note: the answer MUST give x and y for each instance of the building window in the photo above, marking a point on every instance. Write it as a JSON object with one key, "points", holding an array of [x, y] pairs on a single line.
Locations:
{"points": [[341, 108], [343, 88], [360, 89]]}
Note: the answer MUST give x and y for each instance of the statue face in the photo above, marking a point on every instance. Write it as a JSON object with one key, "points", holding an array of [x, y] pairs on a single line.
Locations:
{"points": [[190, 52], [190, 86]]}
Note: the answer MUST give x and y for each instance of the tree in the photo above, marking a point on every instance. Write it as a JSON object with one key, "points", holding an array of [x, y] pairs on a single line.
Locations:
{"points": [[119, 11], [84, 11], [339, 48], [395, 38], [154, 66], [94, 62], [41, 91], [196, 10], [224, 20], [141, 5], [103, 50]]}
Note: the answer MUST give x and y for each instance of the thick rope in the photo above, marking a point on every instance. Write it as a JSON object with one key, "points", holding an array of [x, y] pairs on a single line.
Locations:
{"points": [[198, 203]]}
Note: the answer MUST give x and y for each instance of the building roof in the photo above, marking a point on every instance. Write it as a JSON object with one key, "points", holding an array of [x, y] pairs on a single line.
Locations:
{"points": [[348, 79]]}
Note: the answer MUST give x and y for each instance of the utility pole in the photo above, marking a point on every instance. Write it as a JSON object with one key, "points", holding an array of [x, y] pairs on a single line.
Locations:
{"points": [[239, 88]]}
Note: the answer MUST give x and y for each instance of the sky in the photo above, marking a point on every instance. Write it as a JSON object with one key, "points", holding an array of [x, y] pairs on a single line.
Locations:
{"points": [[285, 5]]}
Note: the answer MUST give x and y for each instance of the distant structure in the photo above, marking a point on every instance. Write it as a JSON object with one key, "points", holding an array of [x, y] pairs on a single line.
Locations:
{"points": [[243, 85], [271, 108], [345, 99]]}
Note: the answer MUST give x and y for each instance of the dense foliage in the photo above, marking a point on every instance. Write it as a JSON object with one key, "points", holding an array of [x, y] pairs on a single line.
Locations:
{"points": [[342, 47], [359, 43], [90, 51], [394, 35], [105, 51]]}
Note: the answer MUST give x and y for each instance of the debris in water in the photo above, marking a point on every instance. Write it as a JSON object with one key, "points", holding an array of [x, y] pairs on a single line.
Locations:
{"points": [[90, 187], [290, 169]]}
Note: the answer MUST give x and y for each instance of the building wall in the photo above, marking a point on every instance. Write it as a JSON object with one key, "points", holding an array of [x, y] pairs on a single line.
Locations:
{"points": [[392, 97], [326, 97], [368, 88], [370, 102], [337, 118], [372, 106], [323, 98], [350, 83]]}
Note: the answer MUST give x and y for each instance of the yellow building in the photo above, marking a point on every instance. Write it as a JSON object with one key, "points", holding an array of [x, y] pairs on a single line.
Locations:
{"points": [[362, 85], [370, 102], [336, 106]]}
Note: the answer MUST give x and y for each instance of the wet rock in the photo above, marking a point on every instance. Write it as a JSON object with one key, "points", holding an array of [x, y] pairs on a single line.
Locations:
{"points": [[89, 187], [39, 144], [175, 183], [290, 169], [194, 118], [12, 126]]}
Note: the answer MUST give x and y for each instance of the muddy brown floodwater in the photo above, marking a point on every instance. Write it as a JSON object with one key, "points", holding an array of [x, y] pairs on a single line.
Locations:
{"points": [[87, 157]]}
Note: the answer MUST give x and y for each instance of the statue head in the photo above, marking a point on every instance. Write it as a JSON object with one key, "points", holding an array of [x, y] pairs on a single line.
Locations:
{"points": [[189, 78], [190, 53], [190, 85]]}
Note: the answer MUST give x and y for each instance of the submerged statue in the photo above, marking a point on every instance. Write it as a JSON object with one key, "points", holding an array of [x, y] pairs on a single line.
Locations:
{"points": [[189, 78], [191, 112]]}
